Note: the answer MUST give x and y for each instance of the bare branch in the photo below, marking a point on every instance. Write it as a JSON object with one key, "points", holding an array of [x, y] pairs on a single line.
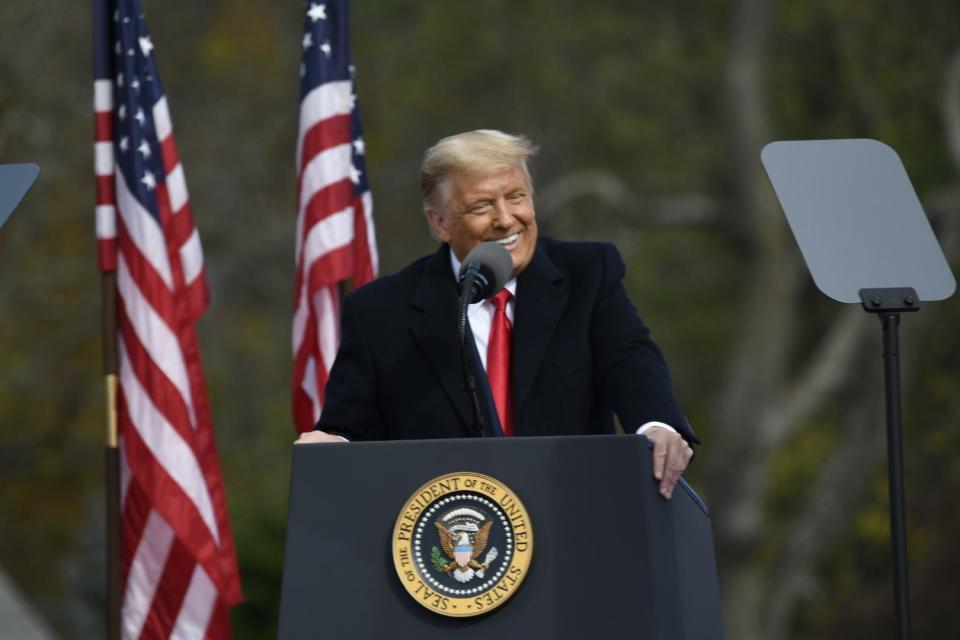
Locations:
{"points": [[825, 374], [623, 202]]}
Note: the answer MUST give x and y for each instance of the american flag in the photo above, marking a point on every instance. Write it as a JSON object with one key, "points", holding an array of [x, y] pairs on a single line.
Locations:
{"points": [[177, 554], [335, 236]]}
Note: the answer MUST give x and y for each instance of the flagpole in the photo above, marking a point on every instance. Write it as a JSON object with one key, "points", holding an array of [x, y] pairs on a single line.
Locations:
{"points": [[112, 493]]}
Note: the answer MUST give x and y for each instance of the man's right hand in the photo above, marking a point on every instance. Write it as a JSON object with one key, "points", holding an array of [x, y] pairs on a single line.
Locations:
{"points": [[310, 437]]}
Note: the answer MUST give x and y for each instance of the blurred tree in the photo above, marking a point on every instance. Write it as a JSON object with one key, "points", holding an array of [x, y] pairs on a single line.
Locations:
{"points": [[651, 117]]}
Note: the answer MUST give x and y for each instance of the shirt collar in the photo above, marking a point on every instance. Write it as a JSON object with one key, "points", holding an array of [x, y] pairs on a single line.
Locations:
{"points": [[511, 285]]}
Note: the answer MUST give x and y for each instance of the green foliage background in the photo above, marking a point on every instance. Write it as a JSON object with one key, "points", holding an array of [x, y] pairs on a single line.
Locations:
{"points": [[630, 91]]}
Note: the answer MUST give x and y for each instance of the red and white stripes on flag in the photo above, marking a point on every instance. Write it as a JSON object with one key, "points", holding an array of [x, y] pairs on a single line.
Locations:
{"points": [[178, 560], [335, 235]]}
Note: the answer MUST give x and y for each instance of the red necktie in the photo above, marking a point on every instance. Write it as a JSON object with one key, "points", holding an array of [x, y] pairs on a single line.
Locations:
{"points": [[498, 361]]}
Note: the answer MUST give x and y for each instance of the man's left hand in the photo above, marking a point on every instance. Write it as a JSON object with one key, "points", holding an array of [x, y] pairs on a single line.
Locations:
{"points": [[671, 455]]}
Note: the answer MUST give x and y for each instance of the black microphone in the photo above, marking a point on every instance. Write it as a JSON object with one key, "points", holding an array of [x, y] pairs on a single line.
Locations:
{"points": [[484, 271]]}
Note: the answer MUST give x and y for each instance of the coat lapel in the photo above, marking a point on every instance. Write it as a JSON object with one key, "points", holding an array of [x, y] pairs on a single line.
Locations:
{"points": [[435, 331], [541, 298]]}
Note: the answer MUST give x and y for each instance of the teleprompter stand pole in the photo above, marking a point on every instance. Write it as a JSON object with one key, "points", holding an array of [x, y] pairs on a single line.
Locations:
{"points": [[888, 304]]}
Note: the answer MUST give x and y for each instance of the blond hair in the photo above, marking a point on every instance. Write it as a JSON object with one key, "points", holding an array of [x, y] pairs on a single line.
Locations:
{"points": [[482, 151]]}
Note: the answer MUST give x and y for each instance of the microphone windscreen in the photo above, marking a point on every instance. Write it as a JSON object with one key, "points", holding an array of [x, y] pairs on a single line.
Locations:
{"points": [[494, 259]]}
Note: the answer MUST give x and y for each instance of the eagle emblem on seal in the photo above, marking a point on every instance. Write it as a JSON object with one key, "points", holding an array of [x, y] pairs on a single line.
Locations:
{"points": [[463, 537]]}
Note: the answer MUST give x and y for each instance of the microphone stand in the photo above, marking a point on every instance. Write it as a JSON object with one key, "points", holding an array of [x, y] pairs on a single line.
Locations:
{"points": [[467, 382]]}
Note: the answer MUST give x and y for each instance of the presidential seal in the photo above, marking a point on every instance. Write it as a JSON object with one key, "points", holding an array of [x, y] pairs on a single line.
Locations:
{"points": [[462, 544]]}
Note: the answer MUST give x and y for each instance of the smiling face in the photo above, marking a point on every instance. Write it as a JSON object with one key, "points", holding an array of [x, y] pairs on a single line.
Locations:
{"points": [[492, 206]]}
